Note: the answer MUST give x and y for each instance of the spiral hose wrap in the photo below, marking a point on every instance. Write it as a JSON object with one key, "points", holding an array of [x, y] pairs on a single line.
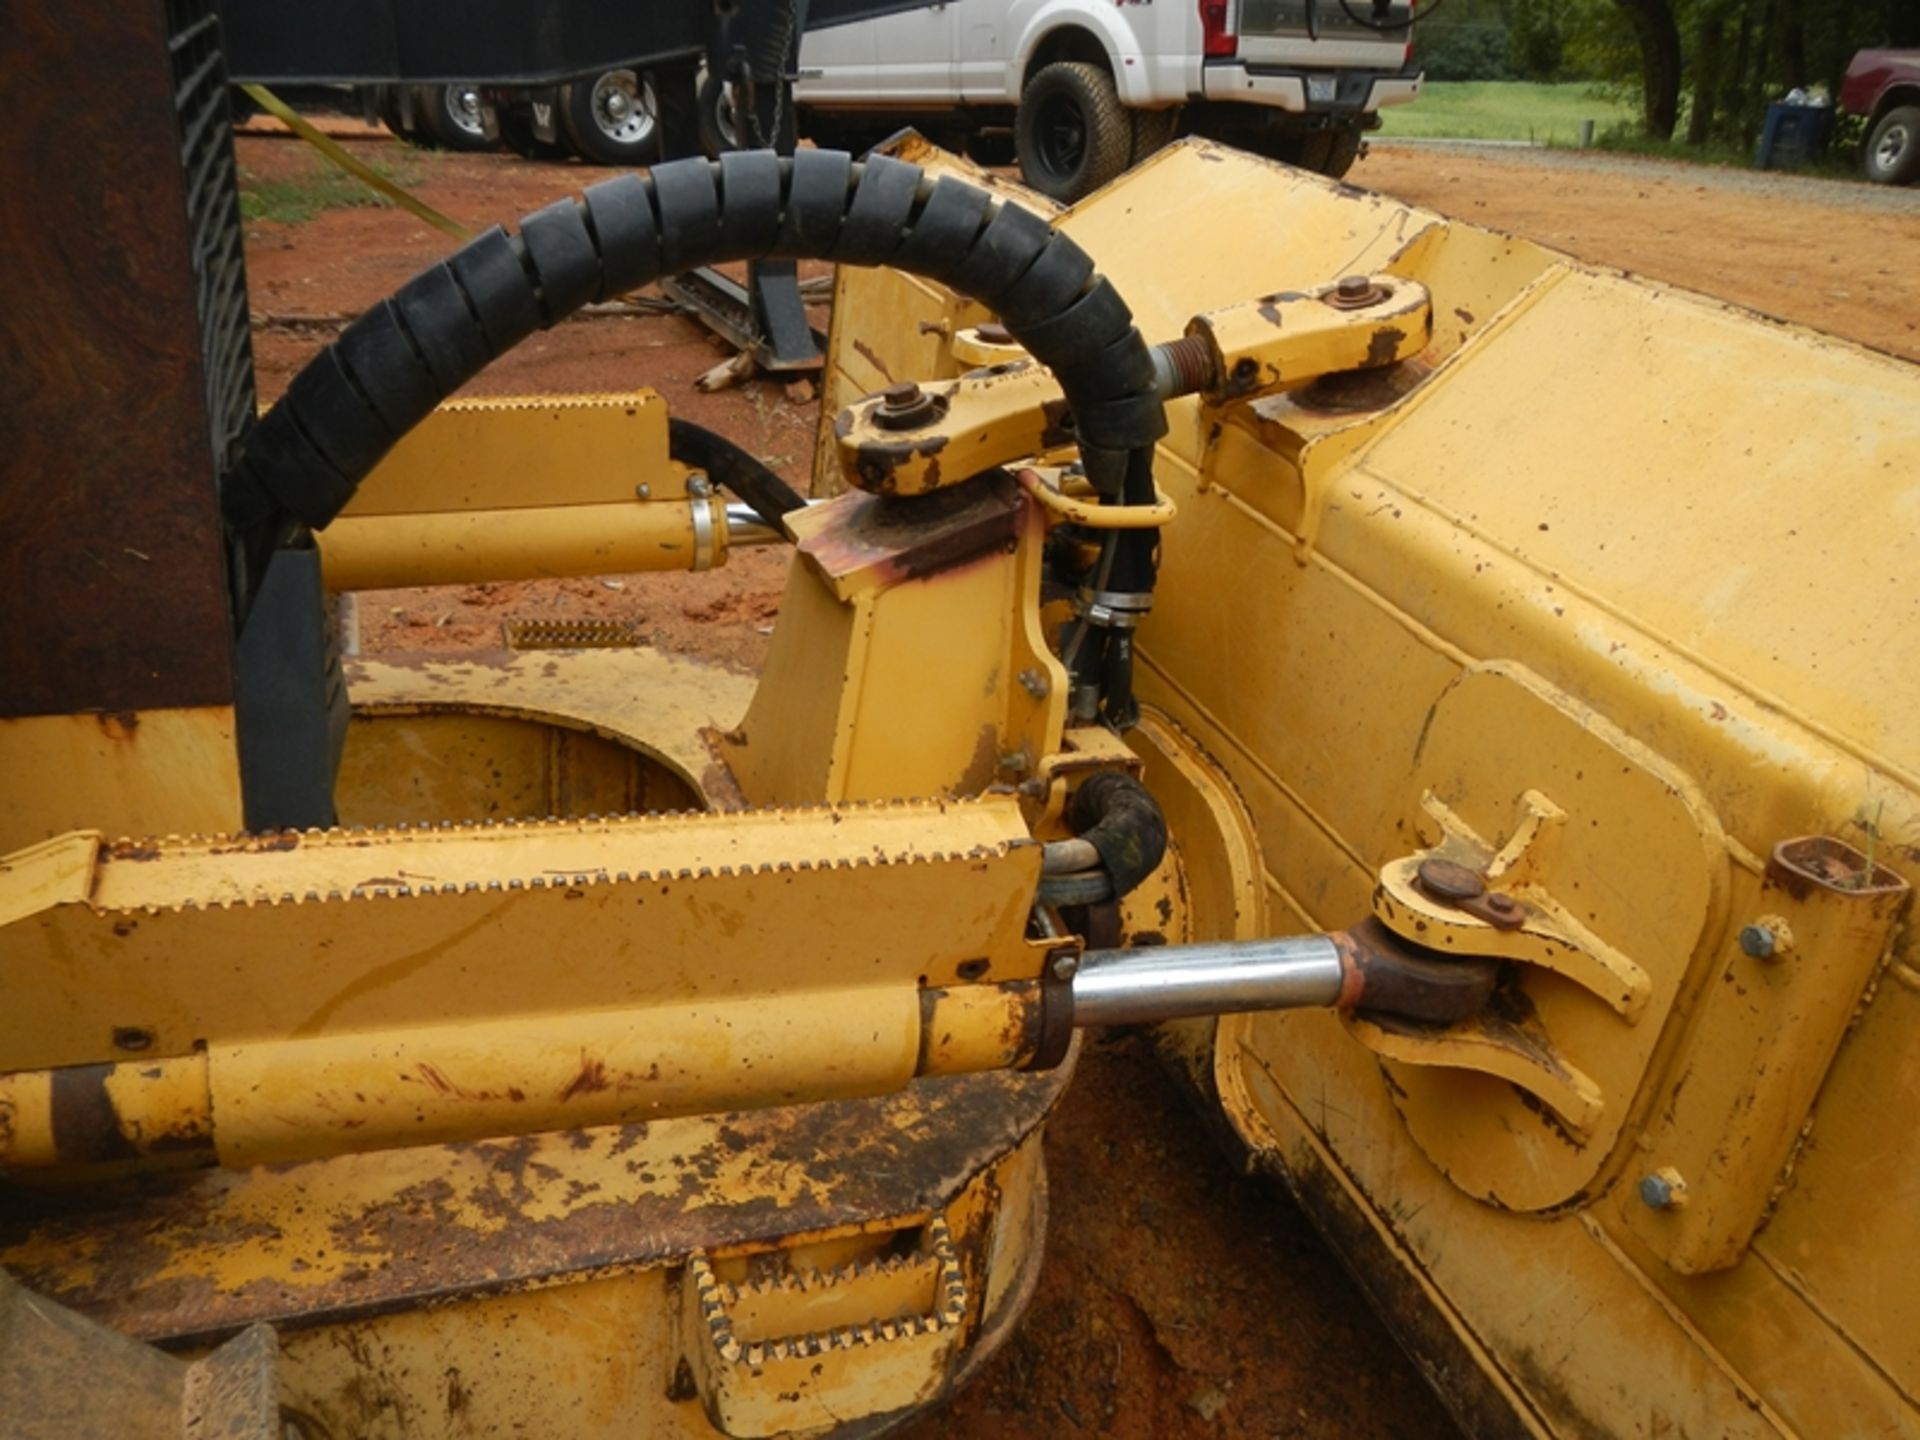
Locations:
{"points": [[391, 367]]}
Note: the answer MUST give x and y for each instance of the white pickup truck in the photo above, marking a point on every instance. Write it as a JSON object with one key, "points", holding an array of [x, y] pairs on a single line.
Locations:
{"points": [[1088, 87]]}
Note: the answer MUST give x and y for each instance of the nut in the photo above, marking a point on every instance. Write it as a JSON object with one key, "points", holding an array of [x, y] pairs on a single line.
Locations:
{"points": [[1065, 967], [1450, 880], [1035, 683]]}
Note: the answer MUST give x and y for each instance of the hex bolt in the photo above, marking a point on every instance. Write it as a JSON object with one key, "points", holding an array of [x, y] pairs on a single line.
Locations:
{"points": [[993, 333], [1035, 683], [904, 407], [698, 486], [1663, 1189], [1355, 292], [1449, 880], [1501, 904], [1065, 967], [643, 490], [1758, 941]]}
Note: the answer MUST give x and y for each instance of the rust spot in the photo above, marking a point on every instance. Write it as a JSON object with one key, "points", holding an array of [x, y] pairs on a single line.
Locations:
{"points": [[118, 724], [86, 1129], [866, 352], [682, 1387], [592, 1077], [133, 850], [1385, 345], [915, 536], [1466, 316]]}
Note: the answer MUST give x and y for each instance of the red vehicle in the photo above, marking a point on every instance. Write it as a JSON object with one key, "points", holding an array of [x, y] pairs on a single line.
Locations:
{"points": [[1884, 86]]}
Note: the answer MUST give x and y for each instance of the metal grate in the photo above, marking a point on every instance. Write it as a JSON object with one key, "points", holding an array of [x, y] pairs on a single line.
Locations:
{"points": [[570, 634], [213, 221]]}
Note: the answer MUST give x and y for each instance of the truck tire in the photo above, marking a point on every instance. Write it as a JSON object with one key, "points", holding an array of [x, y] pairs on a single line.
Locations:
{"points": [[1343, 148], [1893, 149], [1153, 130], [612, 119], [450, 116], [1072, 134]]}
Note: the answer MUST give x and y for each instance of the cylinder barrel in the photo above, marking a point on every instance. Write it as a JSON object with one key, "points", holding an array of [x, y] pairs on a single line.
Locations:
{"points": [[1128, 987]]}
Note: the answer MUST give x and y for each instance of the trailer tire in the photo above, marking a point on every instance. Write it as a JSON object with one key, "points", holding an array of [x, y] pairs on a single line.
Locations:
{"points": [[1072, 133], [516, 133], [450, 116], [612, 119]]}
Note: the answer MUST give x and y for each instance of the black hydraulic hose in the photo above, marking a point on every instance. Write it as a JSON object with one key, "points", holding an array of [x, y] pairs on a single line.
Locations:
{"points": [[387, 371], [728, 465], [1119, 817]]}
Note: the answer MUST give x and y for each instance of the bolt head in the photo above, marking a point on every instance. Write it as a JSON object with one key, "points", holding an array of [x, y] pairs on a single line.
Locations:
{"points": [[899, 397], [1503, 904], [1065, 967], [1035, 683], [1354, 287], [1663, 1189], [644, 491], [1757, 941]]}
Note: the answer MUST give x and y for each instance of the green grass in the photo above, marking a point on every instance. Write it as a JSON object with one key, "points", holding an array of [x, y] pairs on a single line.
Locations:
{"points": [[1503, 110], [297, 199]]}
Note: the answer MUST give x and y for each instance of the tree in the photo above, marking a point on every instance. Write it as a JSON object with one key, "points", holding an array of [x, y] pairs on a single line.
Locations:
{"points": [[1659, 37]]}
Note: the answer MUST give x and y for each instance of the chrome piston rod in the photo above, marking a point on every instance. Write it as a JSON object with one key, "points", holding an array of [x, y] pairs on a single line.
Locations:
{"points": [[1130, 987]]}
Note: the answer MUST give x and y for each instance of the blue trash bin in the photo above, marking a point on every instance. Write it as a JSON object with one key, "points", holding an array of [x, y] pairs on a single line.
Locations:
{"points": [[1793, 135]]}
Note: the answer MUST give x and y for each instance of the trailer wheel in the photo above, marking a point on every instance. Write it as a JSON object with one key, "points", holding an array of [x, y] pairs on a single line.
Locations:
{"points": [[1893, 149], [516, 133], [451, 116], [614, 119], [1072, 133], [719, 129]]}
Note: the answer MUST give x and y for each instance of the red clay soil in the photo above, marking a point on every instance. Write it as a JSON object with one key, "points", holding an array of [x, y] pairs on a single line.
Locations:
{"points": [[1179, 1298]]}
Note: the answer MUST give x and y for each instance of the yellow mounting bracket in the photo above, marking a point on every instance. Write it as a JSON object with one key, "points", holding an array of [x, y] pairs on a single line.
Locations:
{"points": [[1280, 342], [911, 439], [1463, 898], [1459, 898]]}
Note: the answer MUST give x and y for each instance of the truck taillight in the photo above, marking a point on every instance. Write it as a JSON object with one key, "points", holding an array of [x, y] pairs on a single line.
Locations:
{"points": [[1216, 33], [1406, 57]]}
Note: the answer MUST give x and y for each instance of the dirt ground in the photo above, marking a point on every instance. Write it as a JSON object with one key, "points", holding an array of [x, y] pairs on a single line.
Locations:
{"points": [[1179, 1298]]}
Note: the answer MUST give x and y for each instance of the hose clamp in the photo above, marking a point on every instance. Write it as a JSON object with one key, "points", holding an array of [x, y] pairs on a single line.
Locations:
{"points": [[1113, 609], [700, 500]]}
